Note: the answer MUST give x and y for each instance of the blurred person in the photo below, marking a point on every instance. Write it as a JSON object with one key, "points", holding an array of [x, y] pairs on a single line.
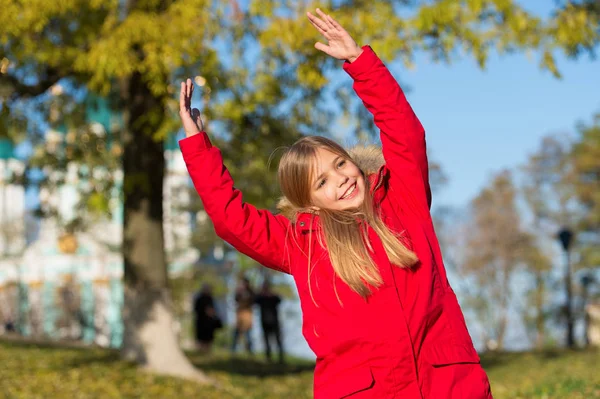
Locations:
{"points": [[268, 303], [356, 233], [206, 320], [244, 299]]}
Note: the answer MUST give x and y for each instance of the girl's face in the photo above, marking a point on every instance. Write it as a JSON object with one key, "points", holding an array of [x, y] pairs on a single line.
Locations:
{"points": [[337, 183]]}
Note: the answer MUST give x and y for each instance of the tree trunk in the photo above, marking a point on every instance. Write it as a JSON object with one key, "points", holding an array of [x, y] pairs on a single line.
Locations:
{"points": [[503, 303], [540, 317], [149, 338], [502, 324]]}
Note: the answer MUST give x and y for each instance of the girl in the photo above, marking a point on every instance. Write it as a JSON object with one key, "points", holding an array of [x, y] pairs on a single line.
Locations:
{"points": [[356, 234]]}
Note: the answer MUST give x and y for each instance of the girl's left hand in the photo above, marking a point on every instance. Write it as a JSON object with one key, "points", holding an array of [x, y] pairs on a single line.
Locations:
{"points": [[190, 117], [340, 43]]}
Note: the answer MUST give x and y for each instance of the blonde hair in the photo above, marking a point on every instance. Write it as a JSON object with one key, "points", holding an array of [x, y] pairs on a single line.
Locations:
{"points": [[345, 233]]}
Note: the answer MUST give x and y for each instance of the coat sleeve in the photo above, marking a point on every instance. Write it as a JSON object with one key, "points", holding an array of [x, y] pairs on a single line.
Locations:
{"points": [[402, 136], [254, 232]]}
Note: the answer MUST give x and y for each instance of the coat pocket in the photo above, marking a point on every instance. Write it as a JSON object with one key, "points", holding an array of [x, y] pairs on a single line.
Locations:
{"points": [[348, 384], [453, 371], [447, 354]]}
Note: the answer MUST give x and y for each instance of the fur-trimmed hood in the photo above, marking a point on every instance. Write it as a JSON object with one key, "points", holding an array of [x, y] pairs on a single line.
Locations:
{"points": [[368, 158]]}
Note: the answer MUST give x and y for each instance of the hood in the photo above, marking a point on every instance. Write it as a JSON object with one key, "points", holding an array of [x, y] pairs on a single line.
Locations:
{"points": [[368, 158]]}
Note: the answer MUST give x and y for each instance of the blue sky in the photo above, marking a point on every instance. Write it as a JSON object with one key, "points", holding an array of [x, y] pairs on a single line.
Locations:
{"points": [[479, 122]]}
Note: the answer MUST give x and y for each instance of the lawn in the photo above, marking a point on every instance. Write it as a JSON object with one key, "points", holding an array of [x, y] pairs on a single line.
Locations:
{"points": [[37, 371]]}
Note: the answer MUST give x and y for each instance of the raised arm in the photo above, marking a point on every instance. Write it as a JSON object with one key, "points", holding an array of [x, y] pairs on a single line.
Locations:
{"points": [[256, 233], [402, 136]]}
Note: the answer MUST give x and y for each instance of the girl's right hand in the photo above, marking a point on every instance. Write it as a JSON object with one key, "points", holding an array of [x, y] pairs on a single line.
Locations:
{"points": [[340, 43], [190, 117]]}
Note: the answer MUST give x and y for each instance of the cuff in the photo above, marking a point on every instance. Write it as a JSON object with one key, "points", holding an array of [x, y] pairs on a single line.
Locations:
{"points": [[362, 64], [197, 142]]}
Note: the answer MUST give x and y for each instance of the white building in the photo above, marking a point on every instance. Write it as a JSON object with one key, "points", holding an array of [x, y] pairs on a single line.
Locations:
{"points": [[69, 285]]}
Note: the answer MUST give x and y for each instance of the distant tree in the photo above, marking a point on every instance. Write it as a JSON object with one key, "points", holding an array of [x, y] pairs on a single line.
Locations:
{"points": [[496, 247], [585, 159], [549, 199], [560, 187]]}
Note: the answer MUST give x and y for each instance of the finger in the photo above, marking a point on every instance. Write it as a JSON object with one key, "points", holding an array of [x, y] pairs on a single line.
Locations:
{"points": [[334, 23], [182, 98], [188, 84], [322, 47], [321, 31], [325, 18], [185, 96], [311, 16], [317, 22], [190, 91]]}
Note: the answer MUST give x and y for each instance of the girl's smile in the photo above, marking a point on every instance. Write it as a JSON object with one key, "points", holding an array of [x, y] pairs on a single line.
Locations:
{"points": [[351, 192]]}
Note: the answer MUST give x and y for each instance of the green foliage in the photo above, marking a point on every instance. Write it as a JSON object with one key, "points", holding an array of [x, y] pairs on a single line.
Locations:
{"points": [[101, 42], [449, 29], [40, 372], [13, 123], [585, 158]]}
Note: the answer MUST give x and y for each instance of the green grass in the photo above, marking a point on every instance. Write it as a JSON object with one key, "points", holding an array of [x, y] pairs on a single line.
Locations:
{"points": [[544, 375], [35, 371]]}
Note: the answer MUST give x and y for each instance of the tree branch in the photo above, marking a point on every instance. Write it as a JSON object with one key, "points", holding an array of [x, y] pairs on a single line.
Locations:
{"points": [[18, 89]]}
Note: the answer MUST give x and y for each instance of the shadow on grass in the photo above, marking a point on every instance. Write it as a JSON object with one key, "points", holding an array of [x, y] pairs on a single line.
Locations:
{"points": [[78, 355], [491, 360], [252, 367]]}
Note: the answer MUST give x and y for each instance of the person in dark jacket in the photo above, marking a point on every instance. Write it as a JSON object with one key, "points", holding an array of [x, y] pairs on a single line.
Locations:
{"points": [[268, 303], [206, 321]]}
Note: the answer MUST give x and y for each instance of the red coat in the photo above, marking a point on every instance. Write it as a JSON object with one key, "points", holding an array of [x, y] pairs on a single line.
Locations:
{"points": [[408, 339]]}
